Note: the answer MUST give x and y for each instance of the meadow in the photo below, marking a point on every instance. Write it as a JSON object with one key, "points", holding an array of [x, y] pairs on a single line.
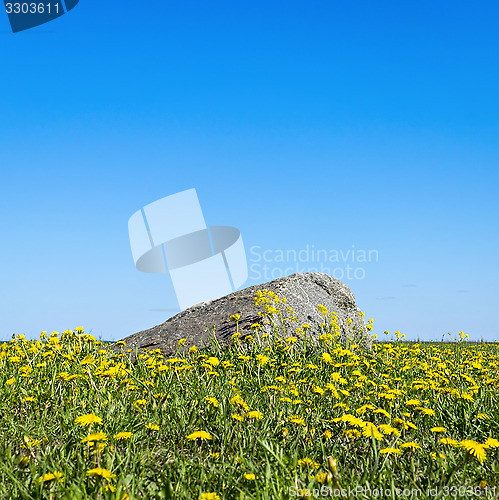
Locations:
{"points": [[275, 416]]}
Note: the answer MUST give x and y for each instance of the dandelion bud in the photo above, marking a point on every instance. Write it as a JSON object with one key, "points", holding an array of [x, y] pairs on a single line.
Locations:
{"points": [[332, 464]]}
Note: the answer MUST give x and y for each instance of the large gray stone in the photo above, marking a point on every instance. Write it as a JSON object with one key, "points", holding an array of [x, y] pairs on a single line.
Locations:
{"points": [[303, 292]]}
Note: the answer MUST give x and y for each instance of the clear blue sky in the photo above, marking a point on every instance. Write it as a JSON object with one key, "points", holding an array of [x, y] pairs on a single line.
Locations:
{"points": [[302, 123]]}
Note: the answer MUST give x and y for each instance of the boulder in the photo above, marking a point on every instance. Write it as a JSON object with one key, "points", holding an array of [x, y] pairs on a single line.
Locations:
{"points": [[304, 292]]}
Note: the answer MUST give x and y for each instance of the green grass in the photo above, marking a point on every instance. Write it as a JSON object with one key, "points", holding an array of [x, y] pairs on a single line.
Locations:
{"points": [[281, 419]]}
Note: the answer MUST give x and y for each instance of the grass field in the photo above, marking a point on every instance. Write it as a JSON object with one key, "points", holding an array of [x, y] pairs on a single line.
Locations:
{"points": [[273, 417]]}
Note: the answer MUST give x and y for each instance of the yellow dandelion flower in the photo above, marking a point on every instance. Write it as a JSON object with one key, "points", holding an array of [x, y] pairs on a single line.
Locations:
{"points": [[99, 471], [388, 430], [123, 435], [86, 420], [438, 429], [98, 436], [308, 462], [475, 449], [199, 435], [396, 451], [411, 445], [467, 397], [30, 442], [209, 496], [370, 430], [50, 476], [152, 427], [10, 381], [262, 360], [383, 412], [239, 400], [250, 477], [321, 477], [491, 443], [352, 420], [212, 401], [428, 411], [296, 419], [399, 421], [352, 433], [322, 309], [482, 416], [255, 414], [413, 402], [235, 416]]}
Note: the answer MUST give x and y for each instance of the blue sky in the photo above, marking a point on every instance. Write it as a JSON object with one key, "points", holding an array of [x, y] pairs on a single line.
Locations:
{"points": [[329, 124]]}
